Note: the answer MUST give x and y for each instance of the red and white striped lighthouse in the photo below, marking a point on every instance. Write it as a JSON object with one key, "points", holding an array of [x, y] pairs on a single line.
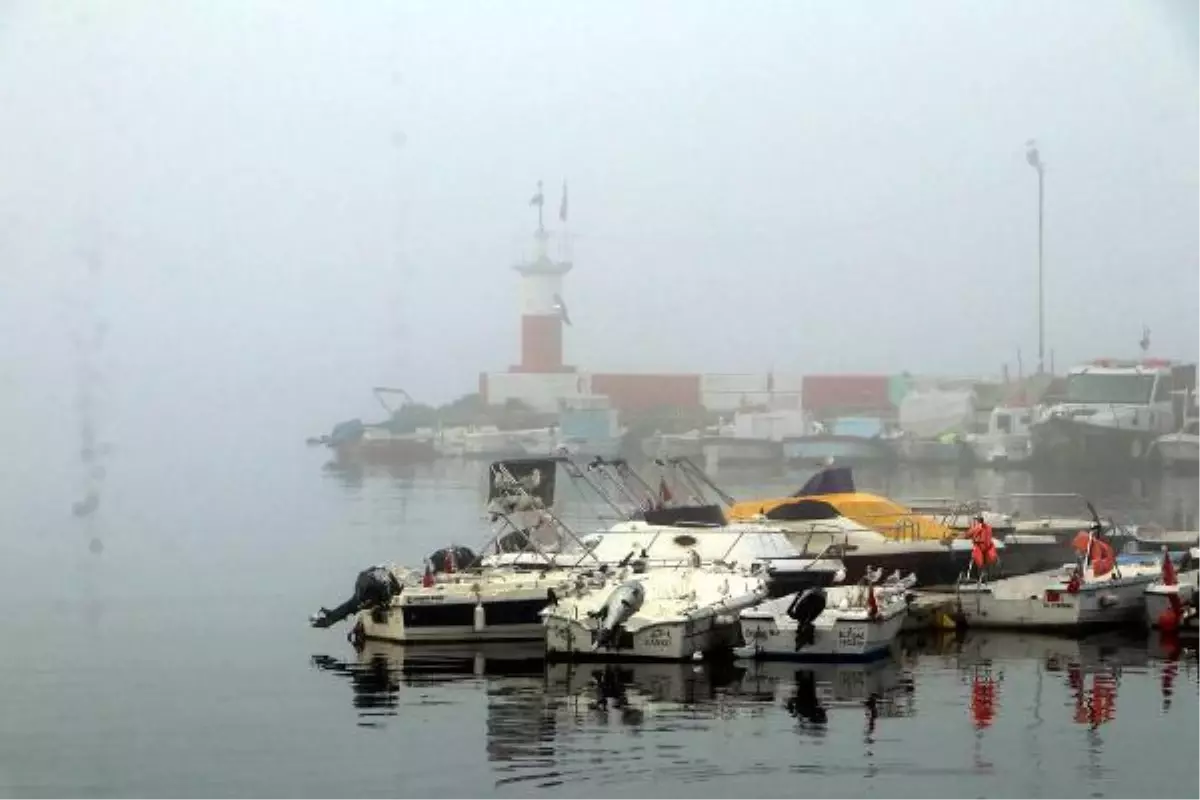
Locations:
{"points": [[543, 312]]}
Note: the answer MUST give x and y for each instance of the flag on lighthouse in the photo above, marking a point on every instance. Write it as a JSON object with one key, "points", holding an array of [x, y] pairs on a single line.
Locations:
{"points": [[561, 308], [562, 208]]}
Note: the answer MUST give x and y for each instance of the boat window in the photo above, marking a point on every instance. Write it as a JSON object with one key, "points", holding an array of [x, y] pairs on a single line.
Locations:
{"points": [[1092, 387], [1004, 423], [1162, 390], [1192, 427], [1025, 419]]}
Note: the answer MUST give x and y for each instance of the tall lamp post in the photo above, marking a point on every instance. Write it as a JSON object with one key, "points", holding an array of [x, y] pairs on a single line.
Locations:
{"points": [[1035, 161]]}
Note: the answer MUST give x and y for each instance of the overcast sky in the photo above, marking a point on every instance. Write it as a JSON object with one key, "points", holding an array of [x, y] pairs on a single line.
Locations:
{"points": [[294, 201]]}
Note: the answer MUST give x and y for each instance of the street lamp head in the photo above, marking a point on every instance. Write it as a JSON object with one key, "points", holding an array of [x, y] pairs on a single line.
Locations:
{"points": [[1032, 156]]}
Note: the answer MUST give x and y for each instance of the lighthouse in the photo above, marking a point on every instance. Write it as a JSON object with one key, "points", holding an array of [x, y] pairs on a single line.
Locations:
{"points": [[543, 311]]}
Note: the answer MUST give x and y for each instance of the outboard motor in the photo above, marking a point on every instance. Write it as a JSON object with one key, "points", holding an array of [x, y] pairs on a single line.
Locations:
{"points": [[622, 604], [805, 609], [373, 588], [439, 560]]}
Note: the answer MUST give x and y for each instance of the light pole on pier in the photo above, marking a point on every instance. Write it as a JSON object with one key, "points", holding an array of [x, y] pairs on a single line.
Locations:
{"points": [[1035, 161]]}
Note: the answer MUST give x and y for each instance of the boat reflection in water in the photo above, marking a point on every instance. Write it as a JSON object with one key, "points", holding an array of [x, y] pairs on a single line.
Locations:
{"points": [[622, 725], [1090, 669], [880, 689], [380, 670], [638, 692]]}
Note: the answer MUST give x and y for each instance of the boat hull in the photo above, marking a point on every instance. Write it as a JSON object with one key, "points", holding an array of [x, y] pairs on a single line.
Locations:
{"points": [[1100, 603], [1065, 442], [385, 451], [783, 578], [840, 639], [703, 631], [1158, 596], [434, 618], [944, 566]]}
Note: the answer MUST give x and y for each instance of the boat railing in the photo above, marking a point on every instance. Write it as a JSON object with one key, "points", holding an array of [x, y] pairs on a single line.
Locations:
{"points": [[544, 515]]}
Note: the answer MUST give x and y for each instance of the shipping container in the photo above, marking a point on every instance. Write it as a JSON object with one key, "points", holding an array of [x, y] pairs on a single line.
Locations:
{"points": [[842, 394], [644, 392]]}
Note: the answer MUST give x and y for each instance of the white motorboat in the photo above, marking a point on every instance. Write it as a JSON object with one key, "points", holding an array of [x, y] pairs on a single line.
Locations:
{"points": [[764, 550], [1096, 590], [665, 614], [459, 597], [1171, 601], [843, 623], [658, 530], [399, 605]]}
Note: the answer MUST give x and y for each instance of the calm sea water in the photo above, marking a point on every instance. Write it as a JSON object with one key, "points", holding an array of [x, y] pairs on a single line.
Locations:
{"points": [[177, 661]]}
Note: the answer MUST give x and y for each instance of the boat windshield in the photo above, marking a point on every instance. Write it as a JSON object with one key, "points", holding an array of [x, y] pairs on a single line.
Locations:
{"points": [[1109, 388]]}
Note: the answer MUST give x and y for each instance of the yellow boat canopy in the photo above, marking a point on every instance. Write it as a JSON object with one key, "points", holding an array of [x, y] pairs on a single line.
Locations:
{"points": [[886, 516]]}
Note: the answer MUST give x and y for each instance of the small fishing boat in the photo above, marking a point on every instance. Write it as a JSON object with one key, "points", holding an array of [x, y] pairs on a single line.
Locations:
{"points": [[664, 614], [392, 441], [842, 623], [1097, 590], [1171, 601]]}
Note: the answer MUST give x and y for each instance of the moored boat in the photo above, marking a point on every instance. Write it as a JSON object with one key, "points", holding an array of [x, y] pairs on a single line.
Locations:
{"points": [[1113, 412], [396, 605], [662, 614], [843, 623], [870, 530], [1171, 601], [1095, 591]]}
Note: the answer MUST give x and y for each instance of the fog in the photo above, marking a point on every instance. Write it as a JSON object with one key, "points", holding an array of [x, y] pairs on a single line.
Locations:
{"points": [[289, 202]]}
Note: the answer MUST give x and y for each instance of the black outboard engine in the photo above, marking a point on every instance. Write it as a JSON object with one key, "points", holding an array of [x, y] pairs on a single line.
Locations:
{"points": [[439, 560], [807, 606], [373, 588]]}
